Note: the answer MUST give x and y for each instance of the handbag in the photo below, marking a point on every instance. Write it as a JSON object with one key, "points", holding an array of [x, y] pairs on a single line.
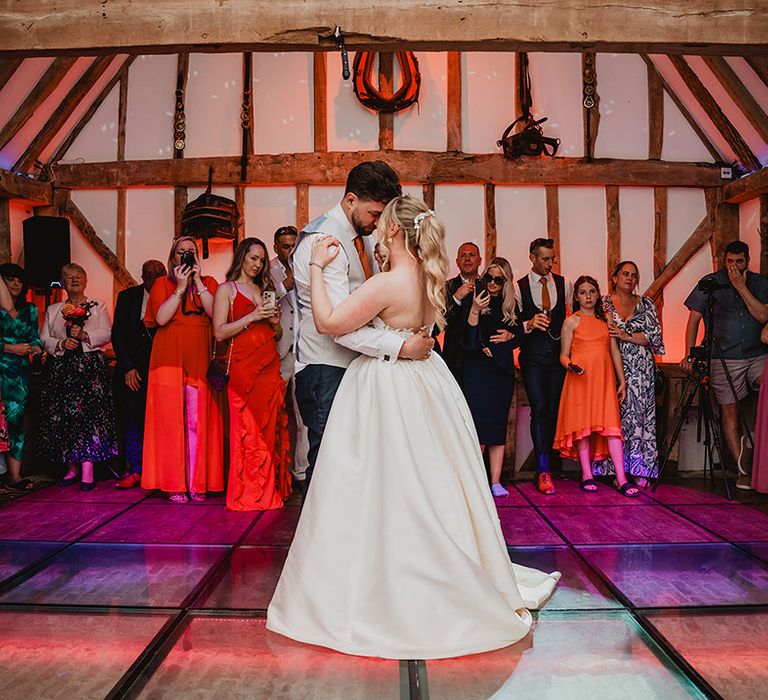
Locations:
{"points": [[217, 372]]}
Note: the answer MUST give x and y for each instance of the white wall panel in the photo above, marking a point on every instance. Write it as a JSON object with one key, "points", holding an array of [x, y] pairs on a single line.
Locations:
{"points": [[637, 224], [100, 276], [212, 105], [267, 209], [556, 90], [583, 233], [423, 125], [680, 141], [487, 99], [151, 103], [24, 78], [622, 83], [521, 216], [321, 199], [351, 127], [282, 102], [100, 209], [18, 212], [97, 142], [149, 227], [757, 88], [749, 230], [461, 209]]}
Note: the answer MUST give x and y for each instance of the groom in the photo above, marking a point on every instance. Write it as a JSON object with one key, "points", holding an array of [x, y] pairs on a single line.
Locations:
{"points": [[322, 360]]}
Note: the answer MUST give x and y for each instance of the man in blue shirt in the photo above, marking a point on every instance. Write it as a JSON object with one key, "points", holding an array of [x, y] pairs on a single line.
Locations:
{"points": [[740, 312]]}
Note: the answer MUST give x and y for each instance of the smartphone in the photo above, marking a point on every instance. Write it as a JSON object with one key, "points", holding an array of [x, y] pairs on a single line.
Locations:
{"points": [[269, 298], [480, 286], [576, 369], [187, 259]]}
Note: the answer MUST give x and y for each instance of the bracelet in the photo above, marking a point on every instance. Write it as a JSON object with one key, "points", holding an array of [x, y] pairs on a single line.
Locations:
{"points": [[178, 294], [317, 265], [205, 289]]}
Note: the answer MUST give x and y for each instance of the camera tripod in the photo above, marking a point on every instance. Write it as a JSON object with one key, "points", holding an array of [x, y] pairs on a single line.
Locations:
{"points": [[698, 384]]}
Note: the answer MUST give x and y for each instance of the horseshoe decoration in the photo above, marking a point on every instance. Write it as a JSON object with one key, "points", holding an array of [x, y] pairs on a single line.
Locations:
{"points": [[372, 97]]}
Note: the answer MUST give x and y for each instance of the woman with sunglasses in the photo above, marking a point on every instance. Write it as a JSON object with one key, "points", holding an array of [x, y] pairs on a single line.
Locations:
{"points": [[183, 440], [491, 333]]}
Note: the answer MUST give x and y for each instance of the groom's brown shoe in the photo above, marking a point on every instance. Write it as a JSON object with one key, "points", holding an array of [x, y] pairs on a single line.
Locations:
{"points": [[544, 483]]}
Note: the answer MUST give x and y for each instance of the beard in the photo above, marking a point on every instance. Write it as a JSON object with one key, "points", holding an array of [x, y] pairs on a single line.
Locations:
{"points": [[360, 230]]}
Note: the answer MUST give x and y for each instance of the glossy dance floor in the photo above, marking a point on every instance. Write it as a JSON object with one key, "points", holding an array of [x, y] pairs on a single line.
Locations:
{"points": [[121, 594]]}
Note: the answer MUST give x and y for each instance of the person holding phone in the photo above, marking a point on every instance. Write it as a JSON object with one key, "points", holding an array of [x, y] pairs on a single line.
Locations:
{"points": [[246, 315], [183, 437], [588, 422]]}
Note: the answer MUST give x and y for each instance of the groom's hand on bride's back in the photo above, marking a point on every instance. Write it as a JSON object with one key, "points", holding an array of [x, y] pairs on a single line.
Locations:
{"points": [[417, 347]]}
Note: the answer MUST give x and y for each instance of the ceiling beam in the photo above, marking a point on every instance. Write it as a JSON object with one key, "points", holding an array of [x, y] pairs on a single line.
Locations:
{"points": [[759, 64], [735, 27], [14, 186], [746, 188], [413, 166], [7, 69]]}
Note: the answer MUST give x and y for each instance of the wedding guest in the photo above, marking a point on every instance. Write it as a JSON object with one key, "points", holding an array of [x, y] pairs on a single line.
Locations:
{"points": [[543, 298], [588, 422], [634, 323], [760, 458], [282, 275], [132, 343], [77, 422], [259, 449], [183, 439], [457, 290], [489, 369]]}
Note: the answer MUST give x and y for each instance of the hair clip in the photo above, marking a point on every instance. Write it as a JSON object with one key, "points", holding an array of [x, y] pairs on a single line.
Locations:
{"points": [[420, 217]]}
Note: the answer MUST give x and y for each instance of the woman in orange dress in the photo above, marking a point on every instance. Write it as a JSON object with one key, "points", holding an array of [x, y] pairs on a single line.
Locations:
{"points": [[259, 449], [588, 422], [183, 441]]}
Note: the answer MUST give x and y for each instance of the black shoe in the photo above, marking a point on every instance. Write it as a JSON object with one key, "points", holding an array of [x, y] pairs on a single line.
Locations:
{"points": [[69, 481], [87, 485]]}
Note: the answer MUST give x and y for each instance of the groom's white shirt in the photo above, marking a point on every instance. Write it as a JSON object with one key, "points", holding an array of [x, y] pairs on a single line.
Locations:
{"points": [[342, 277]]}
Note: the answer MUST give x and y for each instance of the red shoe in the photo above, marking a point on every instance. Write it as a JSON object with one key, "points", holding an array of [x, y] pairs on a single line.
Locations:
{"points": [[128, 482], [544, 483]]}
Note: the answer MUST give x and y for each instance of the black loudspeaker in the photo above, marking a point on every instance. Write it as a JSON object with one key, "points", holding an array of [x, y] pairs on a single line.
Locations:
{"points": [[46, 249]]}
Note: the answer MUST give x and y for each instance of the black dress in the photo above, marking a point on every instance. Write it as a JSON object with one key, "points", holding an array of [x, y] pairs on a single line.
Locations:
{"points": [[489, 382]]}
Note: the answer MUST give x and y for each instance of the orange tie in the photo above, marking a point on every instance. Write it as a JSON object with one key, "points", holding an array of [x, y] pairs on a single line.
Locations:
{"points": [[360, 248], [546, 302]]}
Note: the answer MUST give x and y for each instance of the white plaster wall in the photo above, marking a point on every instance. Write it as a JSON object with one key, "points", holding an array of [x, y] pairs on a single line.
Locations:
{"points": [[487, 99], [149, 227], [212, 105], [97, 142], [521, 216], [100, 275], [680, 142], [757, 88], [749, 230], [351, 127], [556, 90], [422, 126], [267, 209], [151, 103], [637, 223], [461, 209], [622, 83], [100, 209], [18, 212], [282, 102], [583, 233], [321, 199]]}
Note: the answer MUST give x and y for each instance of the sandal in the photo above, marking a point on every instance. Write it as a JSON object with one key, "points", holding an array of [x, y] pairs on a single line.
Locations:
{"points": [[197, 497], [588, 485], [625, 489], [178, 497], [21, 485]]}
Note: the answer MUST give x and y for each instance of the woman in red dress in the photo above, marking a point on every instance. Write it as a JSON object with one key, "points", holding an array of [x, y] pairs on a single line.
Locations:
{"points": [[183, 438], [259, 450]]}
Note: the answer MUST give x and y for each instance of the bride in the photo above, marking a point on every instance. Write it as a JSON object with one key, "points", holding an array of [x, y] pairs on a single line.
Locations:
{"points": [[398, 552]]}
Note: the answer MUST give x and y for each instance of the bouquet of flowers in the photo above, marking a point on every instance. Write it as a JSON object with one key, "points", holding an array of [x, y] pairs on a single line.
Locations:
{"points": [[75, 316]]}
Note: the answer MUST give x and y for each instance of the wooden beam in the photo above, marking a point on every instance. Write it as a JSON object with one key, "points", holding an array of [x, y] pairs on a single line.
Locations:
{"points": [[490, 222], [61, 151], [553, 222], [453, 101], [42, 90], [122, 197], [428, 194], [386, 121], [697, 239], [122, 114], [715, 114], [14, 186], [413, 166], [590, 116], [240, 201], [746, 188], [759, 64], [88, 26], [725, 228], [613, 219], [302, 206], [763, 223], [716, 155], [660, 201], [122, 276], [320, 106], [655, 114], [5, 230], [56, 122], [7, 69], [739, 94], [248, 101], [179, 202], [182, 73]]}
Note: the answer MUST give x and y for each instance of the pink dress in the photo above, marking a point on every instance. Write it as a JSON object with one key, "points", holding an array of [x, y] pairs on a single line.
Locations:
{"points": [[760, 459]]}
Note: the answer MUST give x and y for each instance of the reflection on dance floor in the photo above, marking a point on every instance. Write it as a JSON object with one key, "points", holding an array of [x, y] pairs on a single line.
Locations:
{"points": [[121, 593]]}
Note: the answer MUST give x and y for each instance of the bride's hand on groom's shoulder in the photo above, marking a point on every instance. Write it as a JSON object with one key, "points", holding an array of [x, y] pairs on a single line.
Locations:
{"points": [[324, 250]]}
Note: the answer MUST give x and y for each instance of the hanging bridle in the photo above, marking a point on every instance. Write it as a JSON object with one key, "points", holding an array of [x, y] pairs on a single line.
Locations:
{"points": [[372, 97]]}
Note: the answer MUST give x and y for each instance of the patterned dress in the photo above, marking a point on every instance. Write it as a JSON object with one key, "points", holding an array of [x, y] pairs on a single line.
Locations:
{"points": [[638, 412], [15, 371]]}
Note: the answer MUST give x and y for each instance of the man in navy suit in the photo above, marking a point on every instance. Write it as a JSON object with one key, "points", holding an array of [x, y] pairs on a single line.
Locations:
{"points": [[132, 342]]}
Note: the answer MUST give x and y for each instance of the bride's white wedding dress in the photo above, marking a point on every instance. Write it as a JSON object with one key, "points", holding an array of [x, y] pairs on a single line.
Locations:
{"points": [[398, 552]]}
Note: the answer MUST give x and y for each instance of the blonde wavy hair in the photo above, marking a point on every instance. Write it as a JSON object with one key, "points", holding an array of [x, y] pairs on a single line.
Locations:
{"points": [[508, 290], [424, 241]]}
